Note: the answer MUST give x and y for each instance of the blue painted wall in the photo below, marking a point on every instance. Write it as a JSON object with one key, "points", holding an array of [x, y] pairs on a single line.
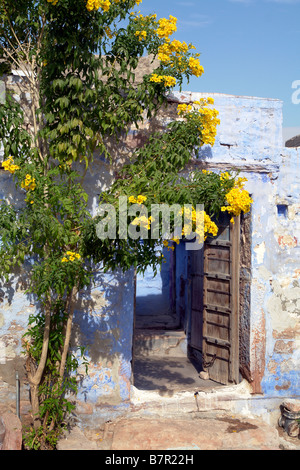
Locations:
{"points": [[249, 137]]}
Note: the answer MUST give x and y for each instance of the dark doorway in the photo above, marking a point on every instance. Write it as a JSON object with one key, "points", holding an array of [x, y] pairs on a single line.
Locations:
{"points": [[187, 317]]}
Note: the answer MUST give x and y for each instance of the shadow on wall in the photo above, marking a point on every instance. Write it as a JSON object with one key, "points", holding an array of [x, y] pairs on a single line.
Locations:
{"points": [[153, 291], [103, 323]]}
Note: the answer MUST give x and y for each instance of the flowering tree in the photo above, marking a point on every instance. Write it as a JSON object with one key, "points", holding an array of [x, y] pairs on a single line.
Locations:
{"points": [[79, 67]]}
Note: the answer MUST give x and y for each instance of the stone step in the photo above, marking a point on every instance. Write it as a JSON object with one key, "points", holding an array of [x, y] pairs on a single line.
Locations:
{"points": [[160, 343], [159, 321]]}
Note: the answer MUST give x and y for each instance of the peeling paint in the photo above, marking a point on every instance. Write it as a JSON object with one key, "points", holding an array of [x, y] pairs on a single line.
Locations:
{"points": [[259, 250], [103, 322]]}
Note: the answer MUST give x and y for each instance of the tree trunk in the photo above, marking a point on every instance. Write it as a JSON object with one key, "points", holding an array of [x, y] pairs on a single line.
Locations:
{"points": [[35, 378]]}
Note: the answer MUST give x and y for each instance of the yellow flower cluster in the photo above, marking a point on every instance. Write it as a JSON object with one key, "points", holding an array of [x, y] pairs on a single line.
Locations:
{"points": [[143, 20], [209, 121], [166, 27], [54, 2], [141, 35], [195, 67], [139, 200], [203, 102], [238, 200], [96, 4], [184, 108], [240, 182], [71, 256], [224, 176], [9, 165], [168, 50], [207, 117], [104, 4], [202, 230], [209, 226], [143, 221], [167, 80], [29, 184]]}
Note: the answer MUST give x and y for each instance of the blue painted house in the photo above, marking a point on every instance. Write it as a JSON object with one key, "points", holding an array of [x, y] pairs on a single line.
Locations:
{"points": [[127, 321]]}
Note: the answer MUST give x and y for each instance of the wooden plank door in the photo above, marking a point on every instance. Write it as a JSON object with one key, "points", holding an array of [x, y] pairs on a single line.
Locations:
{"points": [[196, 300], [215, 302]]}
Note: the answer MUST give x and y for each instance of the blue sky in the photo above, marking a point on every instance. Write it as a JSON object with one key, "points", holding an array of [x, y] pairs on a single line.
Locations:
{"points": [[248, 47]]}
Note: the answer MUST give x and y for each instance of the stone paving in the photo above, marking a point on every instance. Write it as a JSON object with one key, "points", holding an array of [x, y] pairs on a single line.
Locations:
{"points": [[193, 432], [185, 432]]}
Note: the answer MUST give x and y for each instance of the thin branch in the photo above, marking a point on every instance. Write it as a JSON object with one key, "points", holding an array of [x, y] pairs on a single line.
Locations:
{"points": [[15, 36], [68, 329], [17, 63]]}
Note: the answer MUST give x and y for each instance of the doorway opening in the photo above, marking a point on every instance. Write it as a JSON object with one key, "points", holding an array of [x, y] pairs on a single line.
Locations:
{"points": [[190, 317]]}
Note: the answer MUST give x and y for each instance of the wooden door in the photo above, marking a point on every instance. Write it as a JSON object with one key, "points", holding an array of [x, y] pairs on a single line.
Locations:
{"points": [[215, 302]]}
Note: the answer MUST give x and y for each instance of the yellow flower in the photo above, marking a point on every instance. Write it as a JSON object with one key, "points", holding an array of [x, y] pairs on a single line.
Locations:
{"points": [[29, 184], [141, 35], [169, 81], [166, 27], [184, 109], [141, 199], [143, 221], [71, 256], [96, 4], [238, 201], [206, 118], [166, 79], [163, 57], [224, 176], [9, 165], [240, 182], [202, 230], [195, 67]]}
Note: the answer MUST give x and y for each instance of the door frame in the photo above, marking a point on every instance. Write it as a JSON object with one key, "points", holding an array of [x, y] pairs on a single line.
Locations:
{"points": [[212, 351]]}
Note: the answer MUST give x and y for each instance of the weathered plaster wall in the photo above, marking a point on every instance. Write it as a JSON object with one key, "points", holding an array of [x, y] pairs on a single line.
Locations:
{"points": [[103, 323], [103, 318], [249, 138]]}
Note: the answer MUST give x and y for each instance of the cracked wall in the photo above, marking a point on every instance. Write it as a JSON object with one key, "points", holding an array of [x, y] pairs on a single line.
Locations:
{"points": [[248, 139]]}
